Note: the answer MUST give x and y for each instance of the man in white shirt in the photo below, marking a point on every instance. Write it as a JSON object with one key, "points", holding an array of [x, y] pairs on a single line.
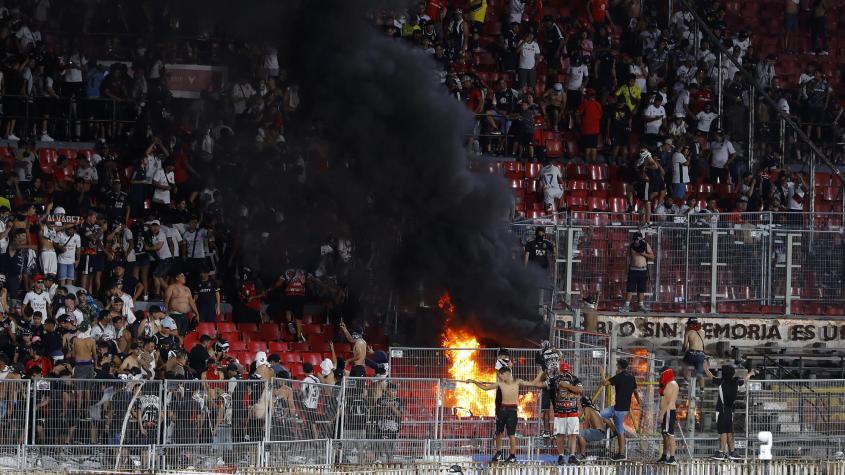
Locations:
{"points": [[682, 103], [529, 54], [721, 153], [38, 299], [163, 183], [705, 118], [654, 117], [516, 8], [551, 182], [69, 243], [578, 73], [196, 247], [159, 245], [680, 172], [70, 309]]}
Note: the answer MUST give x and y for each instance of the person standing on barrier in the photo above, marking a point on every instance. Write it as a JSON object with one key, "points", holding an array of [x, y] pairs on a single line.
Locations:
{"points": [[728, 387], [548, 359], [625, 387], [566, 389], [507, 414], [638, 255], [693, 348], [541, 253], [668, 397]]}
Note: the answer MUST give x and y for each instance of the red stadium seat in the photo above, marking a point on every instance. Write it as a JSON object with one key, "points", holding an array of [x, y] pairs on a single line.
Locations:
{"points": [[252, 346], [247, 327], [300, 346], [291, 357], [237, 346], [278, 347], [207, 328], [190, 340], [250, 336], [225, 327], [618, 204], [554, 148], [597, 204], [231, 336], [313, 358], [270, 331]]}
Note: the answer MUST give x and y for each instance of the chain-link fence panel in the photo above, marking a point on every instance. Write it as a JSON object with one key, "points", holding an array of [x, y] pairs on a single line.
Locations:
{"points": [[298, 452], [384, 450], [477, 450], [390, 408], [108, 458], [11, 457], [208, 457], [216, 412], [672, 270], [805, 417], [14, 410], [96, 412], [303, 410], [817, 274], [742, 251]]}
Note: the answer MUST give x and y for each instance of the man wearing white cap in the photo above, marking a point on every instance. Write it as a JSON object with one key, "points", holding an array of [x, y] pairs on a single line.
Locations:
{"points": [[327, 372], [263, 368]]}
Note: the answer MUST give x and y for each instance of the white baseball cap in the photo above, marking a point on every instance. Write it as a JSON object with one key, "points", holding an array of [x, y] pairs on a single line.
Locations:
{"points": [[326, 367]]}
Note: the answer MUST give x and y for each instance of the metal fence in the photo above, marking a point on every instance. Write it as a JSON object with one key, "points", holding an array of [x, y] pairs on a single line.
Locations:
{"points": [[709, 262], [806, 417], [96, 412], [97, 424]]}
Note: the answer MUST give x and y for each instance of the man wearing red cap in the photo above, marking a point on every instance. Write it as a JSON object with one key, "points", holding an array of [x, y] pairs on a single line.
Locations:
{"points": [[666, 417], [566, 389]]}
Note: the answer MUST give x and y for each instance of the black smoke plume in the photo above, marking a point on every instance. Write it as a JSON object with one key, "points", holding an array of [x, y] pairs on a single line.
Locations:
{"points": [[396, 181]]}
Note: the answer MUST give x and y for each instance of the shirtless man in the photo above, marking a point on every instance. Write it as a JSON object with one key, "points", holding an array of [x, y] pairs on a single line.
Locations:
{"points": [[693, 348], [506, 416], [359, 350], [263, 369], [84, 351], [179, 301], [554, 101], [47, 235], [639, 253], [594, 426], [666, 416]]}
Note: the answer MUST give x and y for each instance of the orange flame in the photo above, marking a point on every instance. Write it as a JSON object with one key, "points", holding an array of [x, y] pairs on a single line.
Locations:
{"points": [[639, 368], [464, 365]]}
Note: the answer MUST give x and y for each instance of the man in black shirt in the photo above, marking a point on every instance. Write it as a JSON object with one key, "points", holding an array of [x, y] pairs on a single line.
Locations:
{"points": [[117, 202], [198, 357], [728, 387], [208, 297], [548, 359], [625, 387], [539, 251]]}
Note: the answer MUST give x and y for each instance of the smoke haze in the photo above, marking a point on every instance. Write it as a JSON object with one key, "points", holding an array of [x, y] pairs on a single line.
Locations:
{"points": [[397, 176]]}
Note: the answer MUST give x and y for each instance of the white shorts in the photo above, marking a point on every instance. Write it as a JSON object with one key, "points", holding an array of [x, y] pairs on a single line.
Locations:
{"points": [[566, 426], [551, 194], [49, 263]]}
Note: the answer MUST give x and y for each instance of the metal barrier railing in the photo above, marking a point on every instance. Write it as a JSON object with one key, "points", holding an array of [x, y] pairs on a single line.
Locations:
{"points": [[67, 117], [385, 419], [715, 262], [805, 417]]}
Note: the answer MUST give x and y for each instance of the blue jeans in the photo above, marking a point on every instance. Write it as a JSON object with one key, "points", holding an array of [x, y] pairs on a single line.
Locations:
{"points": [[66, 271], [618, 418]]}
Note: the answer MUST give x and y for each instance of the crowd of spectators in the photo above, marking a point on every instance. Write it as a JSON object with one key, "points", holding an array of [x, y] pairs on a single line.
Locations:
{"points": [[112, 256], [632, 87]]}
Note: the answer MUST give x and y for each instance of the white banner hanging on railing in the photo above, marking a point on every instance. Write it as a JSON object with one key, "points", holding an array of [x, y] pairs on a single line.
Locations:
{"points": [[739, 331]]}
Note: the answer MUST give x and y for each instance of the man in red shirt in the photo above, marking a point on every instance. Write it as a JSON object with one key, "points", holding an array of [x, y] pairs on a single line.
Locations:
{"points": [[589, 116], [599, 13]]}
